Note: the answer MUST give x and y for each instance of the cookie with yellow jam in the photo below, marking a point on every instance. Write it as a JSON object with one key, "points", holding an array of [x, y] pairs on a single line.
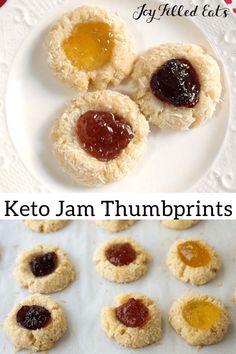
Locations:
{"points": [[193, 261], [135, 322], [199, 319], [90, 48]]}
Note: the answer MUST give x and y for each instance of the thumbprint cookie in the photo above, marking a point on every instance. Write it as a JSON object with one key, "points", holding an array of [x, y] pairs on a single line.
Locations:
{"points": [[99, 137], [121, 260], [44, 269], [193, 261], [135, 322], [177, 85], [35, 323], [199, 319], [90, 48]]}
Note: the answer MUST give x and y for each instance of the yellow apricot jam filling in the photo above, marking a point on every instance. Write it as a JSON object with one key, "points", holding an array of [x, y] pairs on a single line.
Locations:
{"points": [[90, 45], [193, 254], [201, 314]]}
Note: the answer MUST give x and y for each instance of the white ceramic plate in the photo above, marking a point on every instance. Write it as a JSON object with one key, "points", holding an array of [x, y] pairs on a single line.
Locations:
{"points": [[174, 162], [84, 298]]}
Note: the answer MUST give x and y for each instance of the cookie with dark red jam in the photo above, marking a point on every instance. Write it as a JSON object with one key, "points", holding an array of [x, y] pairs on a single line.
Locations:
{"points": [[35, 323], [44, 269], [135, 322], [177, 85], [121, 260]]}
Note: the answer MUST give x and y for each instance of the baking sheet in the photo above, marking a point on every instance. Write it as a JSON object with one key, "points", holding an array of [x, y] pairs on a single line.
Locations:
{"points": [[83, 299]]}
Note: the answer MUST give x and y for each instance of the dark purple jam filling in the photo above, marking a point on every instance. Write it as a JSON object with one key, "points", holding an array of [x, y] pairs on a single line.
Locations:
{"points": [[176, 82], [44, 264], [33, 317]]}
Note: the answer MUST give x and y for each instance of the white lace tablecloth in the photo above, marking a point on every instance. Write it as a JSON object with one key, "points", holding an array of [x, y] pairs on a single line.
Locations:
{"points": [[17, 17]]}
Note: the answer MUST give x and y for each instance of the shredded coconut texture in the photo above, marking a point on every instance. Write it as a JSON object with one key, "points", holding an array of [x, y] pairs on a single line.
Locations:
{"points": [[120, 64], [82, 167]]}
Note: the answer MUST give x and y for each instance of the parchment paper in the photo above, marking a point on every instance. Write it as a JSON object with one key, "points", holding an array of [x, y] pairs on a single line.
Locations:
{"points": [[83, 299]]}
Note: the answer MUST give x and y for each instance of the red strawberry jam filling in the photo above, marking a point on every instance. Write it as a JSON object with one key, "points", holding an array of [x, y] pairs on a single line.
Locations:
{"points": [[103, 135], [133, 313], [121, 254]]}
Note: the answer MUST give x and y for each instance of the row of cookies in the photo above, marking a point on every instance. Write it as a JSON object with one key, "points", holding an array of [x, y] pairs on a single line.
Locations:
{"points": [[48, 269], [123, 260], [135, 321], [101, 134], [37, 322], [47, 226]]}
